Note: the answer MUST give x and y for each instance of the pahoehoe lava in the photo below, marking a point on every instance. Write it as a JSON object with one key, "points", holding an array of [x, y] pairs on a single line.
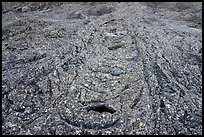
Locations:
{"points": [[110, 68]]}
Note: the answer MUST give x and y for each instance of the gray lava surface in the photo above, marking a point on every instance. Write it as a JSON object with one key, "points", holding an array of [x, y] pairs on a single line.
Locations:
{"points": [[101, 68]]}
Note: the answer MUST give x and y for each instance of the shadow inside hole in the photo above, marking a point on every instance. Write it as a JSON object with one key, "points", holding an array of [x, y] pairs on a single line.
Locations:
{"points": [[101, 109], [162, 105]]}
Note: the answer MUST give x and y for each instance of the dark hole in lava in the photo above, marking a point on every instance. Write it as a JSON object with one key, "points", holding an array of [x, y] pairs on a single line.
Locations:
{"points": [[101, 109], [162, 105]]}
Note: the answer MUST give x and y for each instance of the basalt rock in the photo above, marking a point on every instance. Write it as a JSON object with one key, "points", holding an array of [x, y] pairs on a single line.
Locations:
{"points": [[101, 68]]}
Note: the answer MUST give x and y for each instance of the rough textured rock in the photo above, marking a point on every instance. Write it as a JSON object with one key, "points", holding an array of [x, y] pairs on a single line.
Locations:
{"points": [[101, 68]]}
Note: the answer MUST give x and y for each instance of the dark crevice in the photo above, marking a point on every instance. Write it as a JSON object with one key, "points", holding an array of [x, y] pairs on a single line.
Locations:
{"points": [[162, 106], [10, 101], [161, 77], [20, 110], [101, 109], [136, 100], [114, 47], [200, 51], [86, 124], [49, 87], [184, 117]]}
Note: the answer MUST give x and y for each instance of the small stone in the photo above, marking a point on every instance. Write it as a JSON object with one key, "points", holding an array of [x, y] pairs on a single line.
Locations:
{"points": [[28, 110], [106, 34], [108, 132], [86, 85], [72, 89], [78, 95], [25, 9], [78, 132], [141, 125], [18, 8]]}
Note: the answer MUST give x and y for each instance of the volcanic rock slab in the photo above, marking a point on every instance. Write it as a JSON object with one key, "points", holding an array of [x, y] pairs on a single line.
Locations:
{"points": [[101, 68]]}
